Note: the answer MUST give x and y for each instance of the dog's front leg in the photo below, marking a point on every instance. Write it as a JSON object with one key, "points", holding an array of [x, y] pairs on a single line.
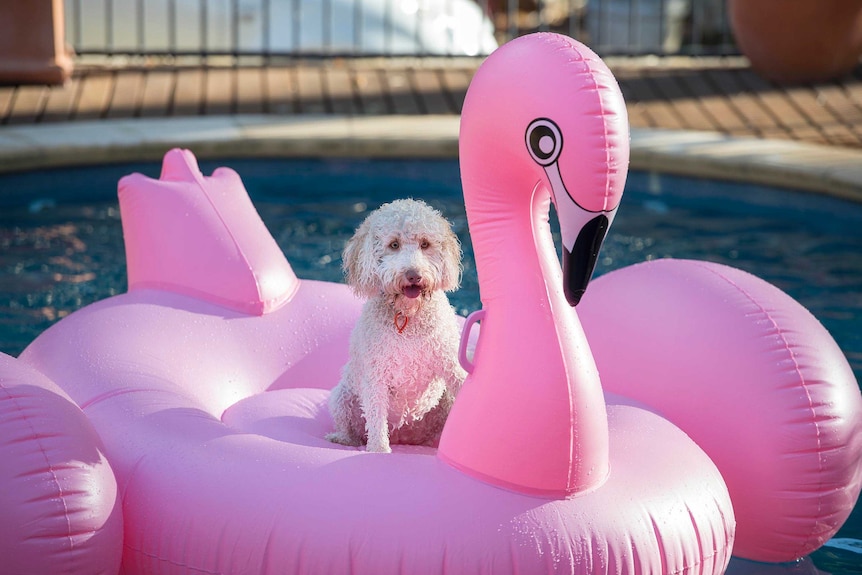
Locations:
{"points": [[454, 375], [376, 410]]}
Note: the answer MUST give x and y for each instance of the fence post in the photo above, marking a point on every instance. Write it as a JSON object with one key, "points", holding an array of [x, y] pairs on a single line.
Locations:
{"points": [[32, 43]]}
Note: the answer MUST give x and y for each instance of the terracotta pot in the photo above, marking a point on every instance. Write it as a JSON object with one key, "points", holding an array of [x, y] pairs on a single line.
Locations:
{"points": [[32, 43], [798, 40]]}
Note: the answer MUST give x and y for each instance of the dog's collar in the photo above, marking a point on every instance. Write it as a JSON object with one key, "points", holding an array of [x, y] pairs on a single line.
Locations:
{"points": [[400, 325]]}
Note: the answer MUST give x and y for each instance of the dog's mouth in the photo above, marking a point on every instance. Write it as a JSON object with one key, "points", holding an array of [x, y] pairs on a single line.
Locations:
{"points": [[412, 291]]}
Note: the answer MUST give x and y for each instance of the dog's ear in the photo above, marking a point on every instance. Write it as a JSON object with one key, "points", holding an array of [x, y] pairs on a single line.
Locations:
{"points": [[359, 262], [452, 266]]}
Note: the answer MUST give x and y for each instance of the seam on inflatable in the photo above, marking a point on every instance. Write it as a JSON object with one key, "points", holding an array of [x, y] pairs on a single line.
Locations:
{"points": [[805, 388], [513, 487], [199, 180], [727, 540], [688, 567], [247, 307], [717, 550], [659, 541], [575, 464], [603, 112], [596, 553], [155, 557], [513, 556], [110, 395], [573, 425], [130, 477], [696, 529], [54, 479], [276, 303], [266, 556]]}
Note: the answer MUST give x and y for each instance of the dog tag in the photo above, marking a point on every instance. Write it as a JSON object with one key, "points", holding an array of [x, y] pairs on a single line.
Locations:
{"points": [[400, 326]]}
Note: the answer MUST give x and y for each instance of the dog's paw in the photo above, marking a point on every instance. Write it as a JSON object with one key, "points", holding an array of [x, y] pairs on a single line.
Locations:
{"points": [[341, 439], [378, 448]]}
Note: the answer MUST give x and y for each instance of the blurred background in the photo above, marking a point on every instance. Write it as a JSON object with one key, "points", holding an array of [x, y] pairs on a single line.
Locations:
{"points": [[389, 27], [774, 69]]}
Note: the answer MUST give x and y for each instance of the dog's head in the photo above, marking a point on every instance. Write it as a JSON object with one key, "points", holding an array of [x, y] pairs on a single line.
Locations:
{"points": [[404, 250]]}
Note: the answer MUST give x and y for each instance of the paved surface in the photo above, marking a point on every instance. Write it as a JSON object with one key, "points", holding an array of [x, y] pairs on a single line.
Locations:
{"points": [[711, 94], [705, 117]]}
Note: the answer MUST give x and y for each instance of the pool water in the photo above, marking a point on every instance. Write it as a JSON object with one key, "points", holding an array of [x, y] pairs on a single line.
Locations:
{"points": [[61, 242]]}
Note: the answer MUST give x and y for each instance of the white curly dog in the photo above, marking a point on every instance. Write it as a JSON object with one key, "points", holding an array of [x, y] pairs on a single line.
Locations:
{"points": [[402, 374]]}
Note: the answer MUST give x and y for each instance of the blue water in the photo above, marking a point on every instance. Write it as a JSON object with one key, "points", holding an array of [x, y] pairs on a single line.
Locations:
{"points": [[61, 243]]}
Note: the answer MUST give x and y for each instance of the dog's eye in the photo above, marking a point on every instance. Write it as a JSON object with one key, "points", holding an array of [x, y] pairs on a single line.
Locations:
{"points": [[394, 245], [425, 244]]}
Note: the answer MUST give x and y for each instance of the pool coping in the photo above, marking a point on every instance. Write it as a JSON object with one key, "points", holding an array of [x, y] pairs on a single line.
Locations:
{"points": [[811, 167]]}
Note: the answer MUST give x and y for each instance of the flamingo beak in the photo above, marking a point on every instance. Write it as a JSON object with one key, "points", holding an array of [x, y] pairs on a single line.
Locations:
{"points": [[583, 230], [580, 261], [582, 233]]}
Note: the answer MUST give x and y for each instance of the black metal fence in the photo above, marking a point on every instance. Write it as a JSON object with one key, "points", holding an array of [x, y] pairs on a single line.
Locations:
{"points": [[356, 28]]}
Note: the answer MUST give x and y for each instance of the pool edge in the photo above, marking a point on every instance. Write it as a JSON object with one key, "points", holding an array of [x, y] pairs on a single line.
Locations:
{"points": [[831, 170]]}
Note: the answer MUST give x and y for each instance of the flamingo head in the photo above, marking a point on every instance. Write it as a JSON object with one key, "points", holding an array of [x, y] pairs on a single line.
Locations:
{"points": [[561, 127]]}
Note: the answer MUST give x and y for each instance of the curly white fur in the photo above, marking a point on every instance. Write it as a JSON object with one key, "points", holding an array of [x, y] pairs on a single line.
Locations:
{"points": [[403, 374]]}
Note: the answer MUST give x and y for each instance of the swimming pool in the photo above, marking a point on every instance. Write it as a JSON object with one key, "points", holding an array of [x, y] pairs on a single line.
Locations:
{"points": [[61, 241]]}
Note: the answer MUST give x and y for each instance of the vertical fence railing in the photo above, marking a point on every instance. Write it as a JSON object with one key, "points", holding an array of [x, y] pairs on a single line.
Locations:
{"points": [[355, 28]]}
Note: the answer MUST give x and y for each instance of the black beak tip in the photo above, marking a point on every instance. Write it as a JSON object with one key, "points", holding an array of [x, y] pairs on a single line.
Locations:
{"points": [[578, 264], [574, 296]]}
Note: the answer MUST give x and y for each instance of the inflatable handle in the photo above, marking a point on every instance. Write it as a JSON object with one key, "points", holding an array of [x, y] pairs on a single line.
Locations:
{"points": [[465, 338]]}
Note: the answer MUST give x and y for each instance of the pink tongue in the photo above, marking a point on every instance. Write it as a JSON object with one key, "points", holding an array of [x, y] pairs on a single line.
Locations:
{"points": [[412, 291]]}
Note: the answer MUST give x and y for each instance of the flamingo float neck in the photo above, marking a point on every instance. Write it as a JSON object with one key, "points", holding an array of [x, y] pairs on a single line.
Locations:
{"points": [[531, 416]]}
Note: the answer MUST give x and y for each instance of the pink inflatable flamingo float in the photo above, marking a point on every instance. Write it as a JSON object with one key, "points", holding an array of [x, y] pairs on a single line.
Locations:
{"points": [[753, 378], [207, 382], [59, 510]]}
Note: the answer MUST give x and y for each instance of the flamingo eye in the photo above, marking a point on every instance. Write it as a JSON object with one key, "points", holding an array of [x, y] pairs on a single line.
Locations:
{"points": [[544, 141], [394, 245]]}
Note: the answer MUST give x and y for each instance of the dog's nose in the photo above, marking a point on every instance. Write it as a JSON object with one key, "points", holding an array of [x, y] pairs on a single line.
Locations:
{"points": [[413, 276]]}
